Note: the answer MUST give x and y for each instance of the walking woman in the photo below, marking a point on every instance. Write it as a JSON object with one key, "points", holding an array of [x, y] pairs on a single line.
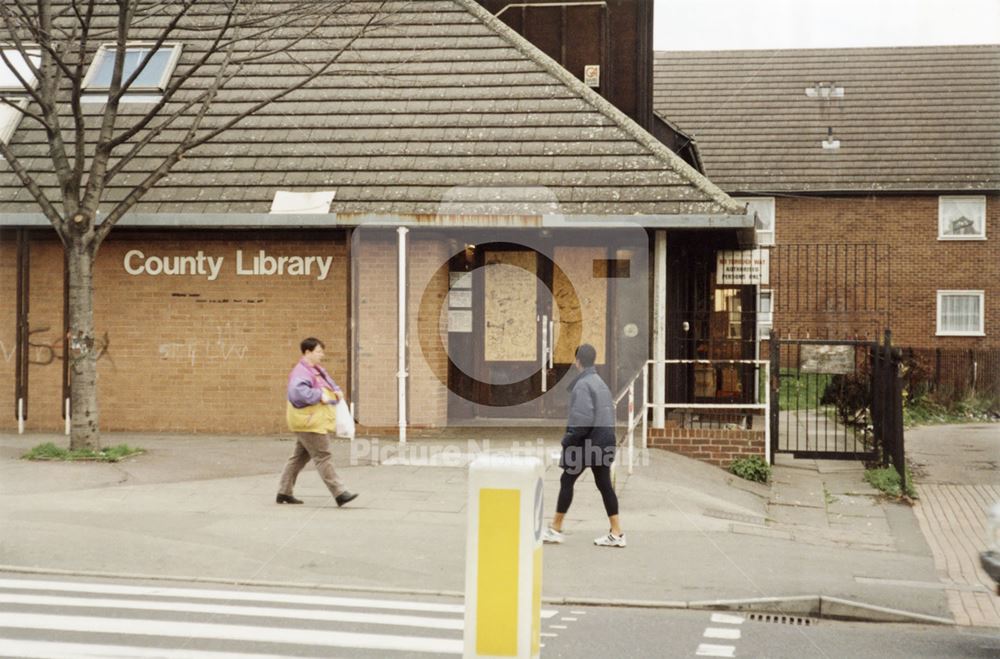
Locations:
{"points": [[312, 396], [589, 441]]}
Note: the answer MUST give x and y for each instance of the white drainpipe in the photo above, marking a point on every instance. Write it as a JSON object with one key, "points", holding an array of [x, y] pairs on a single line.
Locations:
{"points": [[401, 370], [659, 326]]}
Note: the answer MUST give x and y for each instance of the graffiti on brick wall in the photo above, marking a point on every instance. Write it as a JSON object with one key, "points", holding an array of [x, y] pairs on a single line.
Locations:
{"points": [[43, 353], [223, 347], [7, 353]]}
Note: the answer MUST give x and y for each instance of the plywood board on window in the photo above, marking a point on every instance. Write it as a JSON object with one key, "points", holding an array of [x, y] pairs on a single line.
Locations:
{"points": [[510, 307], [584, 319]]}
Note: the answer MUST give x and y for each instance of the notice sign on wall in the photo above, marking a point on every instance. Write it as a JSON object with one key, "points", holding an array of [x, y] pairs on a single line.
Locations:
{"points": [[740, 267], [835, 360]]}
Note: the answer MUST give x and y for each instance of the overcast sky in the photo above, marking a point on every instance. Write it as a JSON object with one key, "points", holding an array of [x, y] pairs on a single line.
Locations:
{"points": [[763, 24]]}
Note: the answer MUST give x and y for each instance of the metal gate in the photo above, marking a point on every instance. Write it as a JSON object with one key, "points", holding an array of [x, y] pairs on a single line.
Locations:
{"points": [[839, 400]]}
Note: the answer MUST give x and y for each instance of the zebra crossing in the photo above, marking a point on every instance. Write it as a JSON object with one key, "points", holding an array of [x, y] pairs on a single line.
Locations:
{"points": [[48, 618]]}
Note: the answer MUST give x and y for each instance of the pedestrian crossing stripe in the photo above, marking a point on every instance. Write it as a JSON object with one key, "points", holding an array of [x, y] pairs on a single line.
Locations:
{"points": [[10, 647], [245, 633], [227, 610], [238, 595]]}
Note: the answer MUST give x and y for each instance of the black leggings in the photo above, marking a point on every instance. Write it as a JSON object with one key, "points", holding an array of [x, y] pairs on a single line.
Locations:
{"points": [[602, 478]]}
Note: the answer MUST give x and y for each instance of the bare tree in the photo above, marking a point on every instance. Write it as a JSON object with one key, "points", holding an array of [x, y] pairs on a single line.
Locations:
{"points": [[48, 45]]}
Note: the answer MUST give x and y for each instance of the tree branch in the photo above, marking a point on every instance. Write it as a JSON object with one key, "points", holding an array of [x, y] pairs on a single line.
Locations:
{"points": [[190, 142], [48, 209]]}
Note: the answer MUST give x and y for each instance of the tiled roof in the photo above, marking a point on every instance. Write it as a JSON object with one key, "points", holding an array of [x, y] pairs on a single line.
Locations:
{"points": [[441, 96], [920, 118]]}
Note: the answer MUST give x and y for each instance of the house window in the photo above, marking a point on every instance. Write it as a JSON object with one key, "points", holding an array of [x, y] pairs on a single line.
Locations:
{"points": [[960, 313], [12, 64], [765, 312], [154, 75], [728, 301], [961, 218], [764, 207]]}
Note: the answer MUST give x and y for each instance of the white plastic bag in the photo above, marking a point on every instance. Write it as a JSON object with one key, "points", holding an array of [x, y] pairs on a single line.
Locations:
{"points": [[345, 422]]}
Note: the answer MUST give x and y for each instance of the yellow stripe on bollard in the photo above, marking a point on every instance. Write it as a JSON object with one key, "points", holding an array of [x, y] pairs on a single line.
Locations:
{"points": [[536, 605], [496, 601]]}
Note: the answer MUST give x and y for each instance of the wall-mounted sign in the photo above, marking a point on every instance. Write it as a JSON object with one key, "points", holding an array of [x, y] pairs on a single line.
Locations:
{"points": [[460, 299], [748, 266], [460, 320], [836, 360], [592, 75], [460, 279], [260, 264]]}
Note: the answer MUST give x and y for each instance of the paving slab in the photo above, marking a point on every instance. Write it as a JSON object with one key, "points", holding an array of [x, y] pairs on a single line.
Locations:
{"points": [[166, 513]]}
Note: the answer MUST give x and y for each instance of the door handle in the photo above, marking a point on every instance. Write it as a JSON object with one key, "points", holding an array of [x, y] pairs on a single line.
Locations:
{"points": [[545, 352], [552, 340]]}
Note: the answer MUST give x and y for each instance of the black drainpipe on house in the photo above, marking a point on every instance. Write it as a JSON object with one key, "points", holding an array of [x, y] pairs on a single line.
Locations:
{"points": [[21, 340]]}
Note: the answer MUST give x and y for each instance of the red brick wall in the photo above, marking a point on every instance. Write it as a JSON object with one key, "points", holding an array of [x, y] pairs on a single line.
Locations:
{"points": [[376, 328], [920, 264], [8, 327], [717, 447], [184, 354], [376, 256]]}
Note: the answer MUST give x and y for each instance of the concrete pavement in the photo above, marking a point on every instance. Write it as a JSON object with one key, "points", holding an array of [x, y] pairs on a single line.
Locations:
{"points": [[203, 507], [957, 470]]}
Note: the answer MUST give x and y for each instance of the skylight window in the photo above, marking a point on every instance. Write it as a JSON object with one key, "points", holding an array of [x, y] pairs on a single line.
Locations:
{"points": [[14, 61], [14, 64], [152, 79]]}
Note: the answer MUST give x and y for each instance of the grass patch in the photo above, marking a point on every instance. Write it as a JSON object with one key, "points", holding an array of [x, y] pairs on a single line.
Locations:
{"points": [[886, 479], [801, 391], [972, 409], [49, 451], [753, 468]]}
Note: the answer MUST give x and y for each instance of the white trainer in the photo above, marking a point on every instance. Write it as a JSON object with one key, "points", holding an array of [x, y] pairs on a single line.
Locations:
{"points": [[552, 536], [610, 540]]}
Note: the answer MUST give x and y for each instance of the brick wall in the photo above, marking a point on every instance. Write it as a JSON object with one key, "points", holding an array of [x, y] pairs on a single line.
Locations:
{"points": [[919, 266], [183, 353], [376, 257], [376, 328], [8, 327], [716, 446]]}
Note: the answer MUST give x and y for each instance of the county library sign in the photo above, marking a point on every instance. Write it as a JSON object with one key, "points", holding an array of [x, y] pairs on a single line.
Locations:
{"points": [[202, 265]]}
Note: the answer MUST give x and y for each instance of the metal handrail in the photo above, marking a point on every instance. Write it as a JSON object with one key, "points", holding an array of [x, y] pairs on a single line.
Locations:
{"points": [[635, 418], [764, 406]]}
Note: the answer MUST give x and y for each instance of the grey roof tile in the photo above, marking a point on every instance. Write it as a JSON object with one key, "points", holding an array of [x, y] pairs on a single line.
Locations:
{"points": [[445, 96], [914, 118]]}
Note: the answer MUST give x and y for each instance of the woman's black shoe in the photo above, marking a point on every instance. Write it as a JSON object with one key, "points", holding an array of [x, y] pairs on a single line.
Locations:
{"points": [[287, 498], [345, 497]]}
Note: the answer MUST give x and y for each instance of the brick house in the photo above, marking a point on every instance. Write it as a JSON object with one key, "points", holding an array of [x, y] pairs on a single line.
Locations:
{"points": [[518, 203], [875, 173]]}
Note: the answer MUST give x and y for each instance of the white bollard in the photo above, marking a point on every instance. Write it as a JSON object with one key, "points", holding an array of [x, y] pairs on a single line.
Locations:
{"points": [[503, 558], [68, 418], [20, 416]]}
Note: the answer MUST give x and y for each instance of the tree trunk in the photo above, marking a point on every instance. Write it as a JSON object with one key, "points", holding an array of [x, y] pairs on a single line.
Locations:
{"points": [[83, 350]]}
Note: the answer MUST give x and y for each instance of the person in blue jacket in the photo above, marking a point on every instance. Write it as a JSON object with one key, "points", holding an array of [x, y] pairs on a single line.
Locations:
{"points": [[589, 441]]}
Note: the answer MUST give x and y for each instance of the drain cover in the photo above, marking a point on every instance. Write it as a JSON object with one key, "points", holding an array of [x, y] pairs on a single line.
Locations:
{"points": [[797, 621]]}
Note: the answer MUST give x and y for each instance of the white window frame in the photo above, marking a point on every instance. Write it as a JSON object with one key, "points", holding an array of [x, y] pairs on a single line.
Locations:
{"points": [[107, 51], [33, 54], [765, 321], [10, 117], [941, 222], [763, 238], [982, 313]]}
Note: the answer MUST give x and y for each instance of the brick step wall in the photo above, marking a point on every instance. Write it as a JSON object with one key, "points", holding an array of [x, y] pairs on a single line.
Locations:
{"points": [[716, 446]]}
